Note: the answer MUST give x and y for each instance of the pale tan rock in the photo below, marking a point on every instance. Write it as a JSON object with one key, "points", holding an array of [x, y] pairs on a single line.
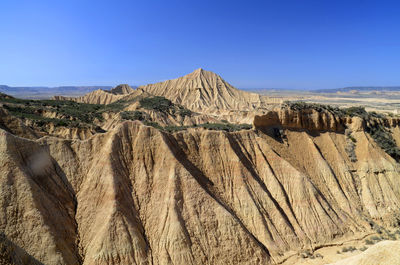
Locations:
{"points": [[101, 96], [205, 91], [383, 253], [135, 195]]}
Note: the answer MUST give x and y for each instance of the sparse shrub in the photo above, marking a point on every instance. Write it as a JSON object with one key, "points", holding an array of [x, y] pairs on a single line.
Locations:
{"points": [[348, 249], [228, 127], [184, 112], [391, 236], [376, 115], [153, 124], [356, 111], [384, 139], [369, 242], [132, 115], [364, 248], [307, 254], [350, 146], [376, 238], [352, 139], [175, 128], [156, 103]]}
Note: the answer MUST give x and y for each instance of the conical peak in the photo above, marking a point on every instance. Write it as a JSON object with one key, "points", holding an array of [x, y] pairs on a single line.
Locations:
{"points": [[197, 72], [200, 72], [122, 89]]}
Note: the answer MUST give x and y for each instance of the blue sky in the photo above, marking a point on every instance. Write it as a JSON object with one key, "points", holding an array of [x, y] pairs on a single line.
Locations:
{"points": [[251, 44]]}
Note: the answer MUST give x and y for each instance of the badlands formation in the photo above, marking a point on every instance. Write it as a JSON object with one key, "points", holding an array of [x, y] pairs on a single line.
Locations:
{"points": [[158, 175]]}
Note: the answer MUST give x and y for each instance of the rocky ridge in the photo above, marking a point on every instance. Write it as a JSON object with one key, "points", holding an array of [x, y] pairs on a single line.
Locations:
{"points": [[102, 96], [138, 195], [302, 178]]}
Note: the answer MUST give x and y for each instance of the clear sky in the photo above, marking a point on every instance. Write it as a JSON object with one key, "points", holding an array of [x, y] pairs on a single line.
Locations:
{"points": [[251, 44]]}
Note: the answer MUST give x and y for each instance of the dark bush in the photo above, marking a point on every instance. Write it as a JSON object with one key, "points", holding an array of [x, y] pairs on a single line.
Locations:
{"points": [[184, 112], [153, 124], [384, 139], [348, 249], [228, 127], [156, 103], [132, 115]]}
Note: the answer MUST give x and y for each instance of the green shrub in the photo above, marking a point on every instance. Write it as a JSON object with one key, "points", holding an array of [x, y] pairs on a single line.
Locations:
{"points": [[350, 146], [348, 249], [356, 111], [153, 124], [81, 111], [364, 248], [384, 139], [184, 112], [132, 115], [156, 103], [376, 238], [369, 242], [228, 127], [173, 128]]}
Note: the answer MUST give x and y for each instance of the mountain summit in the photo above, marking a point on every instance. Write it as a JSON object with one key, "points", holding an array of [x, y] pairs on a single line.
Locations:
{"points": [[204, 90], [122, 89]]}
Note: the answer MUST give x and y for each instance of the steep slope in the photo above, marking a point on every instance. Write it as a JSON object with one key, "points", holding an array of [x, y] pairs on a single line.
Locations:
{"points": [[204, 91], [136, 195]]}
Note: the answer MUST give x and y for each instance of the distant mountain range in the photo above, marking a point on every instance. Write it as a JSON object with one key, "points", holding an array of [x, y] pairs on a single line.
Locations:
{"points": [[42, 92], [358, 88]]}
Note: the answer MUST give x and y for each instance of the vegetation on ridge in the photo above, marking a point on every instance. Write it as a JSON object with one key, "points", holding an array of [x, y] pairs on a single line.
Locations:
{"points": [[69, 113], [164, 105], [381, 135]]}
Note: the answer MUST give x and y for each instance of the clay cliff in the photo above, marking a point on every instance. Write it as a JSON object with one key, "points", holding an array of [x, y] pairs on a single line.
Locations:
{"points": [[136, 195]]}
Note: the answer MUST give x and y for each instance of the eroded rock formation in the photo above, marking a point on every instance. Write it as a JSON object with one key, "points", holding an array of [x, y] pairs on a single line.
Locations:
{"points": [[140, 196]]}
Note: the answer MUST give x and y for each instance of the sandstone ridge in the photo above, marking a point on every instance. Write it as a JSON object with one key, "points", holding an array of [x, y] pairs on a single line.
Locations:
{"points": [[136, 195]]}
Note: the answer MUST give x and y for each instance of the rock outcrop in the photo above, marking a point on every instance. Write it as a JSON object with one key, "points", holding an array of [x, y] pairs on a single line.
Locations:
{"points": [[307, 119]]}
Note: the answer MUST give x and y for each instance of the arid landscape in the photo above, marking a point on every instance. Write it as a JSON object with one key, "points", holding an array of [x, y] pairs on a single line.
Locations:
{"points": [[194, 171]]}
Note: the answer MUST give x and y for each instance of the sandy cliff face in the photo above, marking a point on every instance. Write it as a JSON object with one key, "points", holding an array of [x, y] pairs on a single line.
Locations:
{"points": [[307, 119], [135, 195]]}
